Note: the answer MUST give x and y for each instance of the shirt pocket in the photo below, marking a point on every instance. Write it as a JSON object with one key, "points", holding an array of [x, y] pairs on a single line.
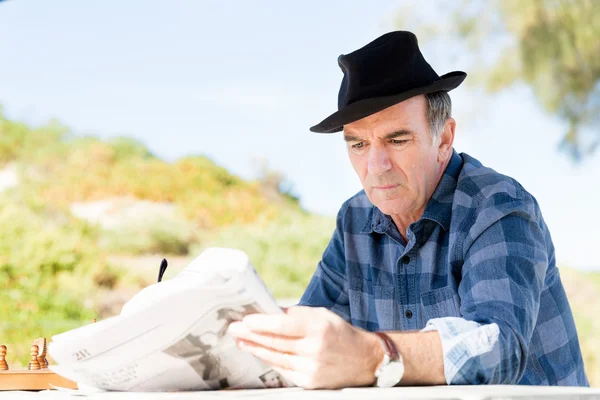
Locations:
{"points": [[371, 306], [439, 303]]}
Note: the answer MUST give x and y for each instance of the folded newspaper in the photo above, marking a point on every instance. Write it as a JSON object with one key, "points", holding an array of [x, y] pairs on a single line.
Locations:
{"points": [[173, 335]]}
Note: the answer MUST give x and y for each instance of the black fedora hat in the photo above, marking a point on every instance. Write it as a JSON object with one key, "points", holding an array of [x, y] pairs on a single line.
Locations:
{"points": [[385, 72]]}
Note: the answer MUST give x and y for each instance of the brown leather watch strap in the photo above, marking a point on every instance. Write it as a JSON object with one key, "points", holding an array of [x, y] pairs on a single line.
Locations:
{"points": [[389, 345]]}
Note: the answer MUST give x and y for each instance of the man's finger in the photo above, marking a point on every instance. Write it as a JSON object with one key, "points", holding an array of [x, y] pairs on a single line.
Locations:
{"points": [[274, 358], [284, 344]]}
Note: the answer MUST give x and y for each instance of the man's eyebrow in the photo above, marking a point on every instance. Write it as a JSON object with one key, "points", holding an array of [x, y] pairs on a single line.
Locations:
{"points": [[401, 132], [392, 135], [350, 138]]}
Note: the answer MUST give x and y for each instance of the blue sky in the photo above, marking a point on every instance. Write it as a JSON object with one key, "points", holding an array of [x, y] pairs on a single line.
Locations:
{"points": [[243, 81]]}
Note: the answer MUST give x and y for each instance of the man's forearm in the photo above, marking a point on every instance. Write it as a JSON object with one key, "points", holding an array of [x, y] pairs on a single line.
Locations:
{"points": [[423, 357]]}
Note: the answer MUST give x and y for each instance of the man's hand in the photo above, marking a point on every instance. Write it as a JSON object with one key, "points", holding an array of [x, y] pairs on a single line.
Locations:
{"points": [[313, 346]]}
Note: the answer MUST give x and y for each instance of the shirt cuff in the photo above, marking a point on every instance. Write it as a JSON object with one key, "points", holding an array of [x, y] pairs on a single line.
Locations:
{"points": [[462, 342]]}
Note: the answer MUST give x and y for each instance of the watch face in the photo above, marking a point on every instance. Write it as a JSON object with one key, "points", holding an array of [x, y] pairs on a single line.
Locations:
{"points": [[391, 374]]}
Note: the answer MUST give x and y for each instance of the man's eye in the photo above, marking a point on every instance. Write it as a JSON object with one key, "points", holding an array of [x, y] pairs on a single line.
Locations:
{"points": [[359, 148], [398, 141]]}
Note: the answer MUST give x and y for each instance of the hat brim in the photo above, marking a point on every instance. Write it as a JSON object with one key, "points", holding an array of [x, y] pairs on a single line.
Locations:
{"points": [[363, 108]]}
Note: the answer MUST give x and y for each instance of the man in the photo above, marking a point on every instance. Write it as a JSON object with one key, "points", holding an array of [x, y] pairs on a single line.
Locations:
{"points": [[450, 258]]}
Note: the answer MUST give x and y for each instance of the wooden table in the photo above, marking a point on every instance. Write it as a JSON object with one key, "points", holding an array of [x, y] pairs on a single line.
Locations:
{"points": [[491, 392], [40, 379]]}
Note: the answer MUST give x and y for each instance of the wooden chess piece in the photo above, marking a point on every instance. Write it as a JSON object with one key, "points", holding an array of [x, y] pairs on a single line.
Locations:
{"points": [[44, 354], [34, 363], [3, 363], [42, 345]]}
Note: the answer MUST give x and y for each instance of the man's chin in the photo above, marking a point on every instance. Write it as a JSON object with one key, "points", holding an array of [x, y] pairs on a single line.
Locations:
{"points": [[390, 206]]}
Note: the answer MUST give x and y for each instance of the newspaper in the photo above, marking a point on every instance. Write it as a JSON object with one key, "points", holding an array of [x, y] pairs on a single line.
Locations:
{"points": [[173, 335]]}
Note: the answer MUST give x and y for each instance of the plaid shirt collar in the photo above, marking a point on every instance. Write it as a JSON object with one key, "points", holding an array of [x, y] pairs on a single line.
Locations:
{"points": [[438, 209]]}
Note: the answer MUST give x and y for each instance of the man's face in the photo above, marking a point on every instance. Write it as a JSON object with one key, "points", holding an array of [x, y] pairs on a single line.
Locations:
{"points": [[396, 158]]}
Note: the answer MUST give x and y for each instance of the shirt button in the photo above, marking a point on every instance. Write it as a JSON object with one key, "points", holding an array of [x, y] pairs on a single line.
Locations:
{"points": [[405, 260], [408, 314]]}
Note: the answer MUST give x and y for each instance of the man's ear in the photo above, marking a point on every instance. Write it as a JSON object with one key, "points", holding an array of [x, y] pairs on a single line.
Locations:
{"points": [[446, 140]]}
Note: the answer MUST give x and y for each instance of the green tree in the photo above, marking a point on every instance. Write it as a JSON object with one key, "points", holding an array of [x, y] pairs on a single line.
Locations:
{"points": [[552, 46]]}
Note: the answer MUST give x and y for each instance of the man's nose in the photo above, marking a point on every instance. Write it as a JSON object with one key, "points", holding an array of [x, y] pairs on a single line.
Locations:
{"points": [[379, 161]]}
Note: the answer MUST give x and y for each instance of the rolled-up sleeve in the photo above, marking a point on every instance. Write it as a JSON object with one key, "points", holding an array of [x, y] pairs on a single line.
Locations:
{"points": [[502, 277], [328, 286]]}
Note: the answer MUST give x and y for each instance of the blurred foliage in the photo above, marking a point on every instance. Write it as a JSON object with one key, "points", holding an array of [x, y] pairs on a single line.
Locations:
{"points": [[551, 46], [62, 168], [155, 235], [20, 142], [285, 252], [49, 266], [274, 183], [583, 289]]}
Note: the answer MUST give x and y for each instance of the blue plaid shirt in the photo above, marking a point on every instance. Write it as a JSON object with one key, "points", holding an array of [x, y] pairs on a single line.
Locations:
{"points": [[478, 267]]}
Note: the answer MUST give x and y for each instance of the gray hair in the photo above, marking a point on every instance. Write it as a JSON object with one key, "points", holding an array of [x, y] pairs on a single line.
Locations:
{"points": [[438, 110]]}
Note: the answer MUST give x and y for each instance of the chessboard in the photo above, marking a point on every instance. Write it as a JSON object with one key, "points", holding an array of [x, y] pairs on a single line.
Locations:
{"points": [[36, 377]]}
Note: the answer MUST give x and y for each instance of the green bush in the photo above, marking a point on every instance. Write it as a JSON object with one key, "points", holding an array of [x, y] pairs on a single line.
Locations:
{"points": [[48, 263], [154, 235], [285, 252], [582, 290]]}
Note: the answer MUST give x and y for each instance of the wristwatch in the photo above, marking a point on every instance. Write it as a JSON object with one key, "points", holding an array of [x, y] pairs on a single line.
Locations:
{"points": [[390, 370]]}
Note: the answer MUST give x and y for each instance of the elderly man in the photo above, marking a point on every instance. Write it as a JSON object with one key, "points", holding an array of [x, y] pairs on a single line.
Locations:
{"points": [[451, 259]]}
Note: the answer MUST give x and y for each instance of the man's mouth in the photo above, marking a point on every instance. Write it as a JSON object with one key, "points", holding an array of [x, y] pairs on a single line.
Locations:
{"points": [[385, 187]]}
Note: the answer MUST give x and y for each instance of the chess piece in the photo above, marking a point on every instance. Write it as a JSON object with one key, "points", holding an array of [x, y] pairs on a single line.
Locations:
{"points": [[34, 363], [37, 343], [41, 344], [3, 363]]}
